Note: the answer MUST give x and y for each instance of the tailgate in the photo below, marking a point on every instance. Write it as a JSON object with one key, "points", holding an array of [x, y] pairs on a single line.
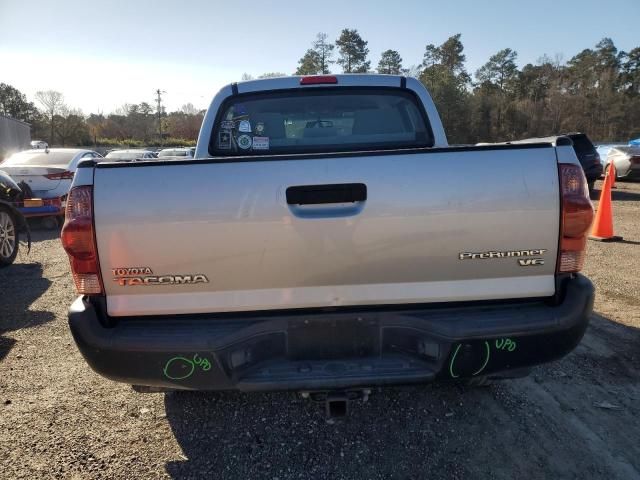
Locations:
{"points": [[221, 236]]}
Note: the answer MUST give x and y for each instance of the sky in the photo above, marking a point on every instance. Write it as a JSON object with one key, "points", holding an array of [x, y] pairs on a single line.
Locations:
{"points": [[104, 54]]}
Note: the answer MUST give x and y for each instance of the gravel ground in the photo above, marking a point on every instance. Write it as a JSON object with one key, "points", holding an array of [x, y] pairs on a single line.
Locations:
{"points": [[577, 418]]}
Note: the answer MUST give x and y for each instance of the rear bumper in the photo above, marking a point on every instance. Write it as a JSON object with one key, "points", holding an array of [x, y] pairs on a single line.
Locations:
{"points": [[332, 350]]}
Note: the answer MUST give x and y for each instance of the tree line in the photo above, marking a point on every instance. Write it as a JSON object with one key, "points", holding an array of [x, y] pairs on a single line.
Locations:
{"points": [[132, 125], [597, 91]]}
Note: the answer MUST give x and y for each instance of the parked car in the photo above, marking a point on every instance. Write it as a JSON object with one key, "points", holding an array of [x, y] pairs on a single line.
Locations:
{"points": [[39, 144], [175, 153], [12, 222], [330, 245], [626, 160], [48, 172], [130, 155]]}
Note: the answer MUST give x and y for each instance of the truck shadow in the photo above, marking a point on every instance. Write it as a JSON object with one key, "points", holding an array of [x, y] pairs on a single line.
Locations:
{"points": [[40, 233], [441, 430], [20, 285]]}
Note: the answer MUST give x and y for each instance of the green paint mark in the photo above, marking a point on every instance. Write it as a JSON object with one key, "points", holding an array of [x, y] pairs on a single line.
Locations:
{"points": [[181, 368], [453, 359], [178, 368], [202, 362], [506, 344], [486, 360], [484, 365]]}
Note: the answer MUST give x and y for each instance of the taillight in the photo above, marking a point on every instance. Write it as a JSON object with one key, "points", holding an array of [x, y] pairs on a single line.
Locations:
{"points": [[318, 80], [78, 240], [66, 175], [576, 217]]}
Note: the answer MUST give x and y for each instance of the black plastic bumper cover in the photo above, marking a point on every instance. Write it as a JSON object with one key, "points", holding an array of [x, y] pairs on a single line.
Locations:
{"points": [[332, 350]]}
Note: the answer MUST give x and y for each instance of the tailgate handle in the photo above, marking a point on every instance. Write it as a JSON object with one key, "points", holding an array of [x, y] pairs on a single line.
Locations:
{"points": [[333, 193]]}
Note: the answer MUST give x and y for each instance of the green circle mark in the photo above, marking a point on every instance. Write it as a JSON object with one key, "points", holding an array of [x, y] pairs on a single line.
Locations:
{"points": [[455, 353], [186, 362]]}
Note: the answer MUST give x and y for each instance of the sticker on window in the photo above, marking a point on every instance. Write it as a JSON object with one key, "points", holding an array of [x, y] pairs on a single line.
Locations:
{"points": [[260, 128], [227, 124], [261, 143], [244, 142], [224, 140], [245, 126]]}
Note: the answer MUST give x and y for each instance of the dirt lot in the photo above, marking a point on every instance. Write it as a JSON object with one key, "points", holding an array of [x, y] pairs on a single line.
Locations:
{"points": [[577, 418]]}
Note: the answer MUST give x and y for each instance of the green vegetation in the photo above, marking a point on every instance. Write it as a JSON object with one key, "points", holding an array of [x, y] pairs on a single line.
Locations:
{"points": [[596, 91]]}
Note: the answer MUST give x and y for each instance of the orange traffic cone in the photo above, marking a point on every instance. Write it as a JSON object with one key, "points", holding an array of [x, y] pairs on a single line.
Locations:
{"points": [[612, 174], [602, 230]]}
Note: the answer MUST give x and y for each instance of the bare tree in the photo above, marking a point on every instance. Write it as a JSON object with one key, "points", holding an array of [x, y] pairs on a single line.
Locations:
{"points": [[325, 51], [53, 102], [189, 109]]}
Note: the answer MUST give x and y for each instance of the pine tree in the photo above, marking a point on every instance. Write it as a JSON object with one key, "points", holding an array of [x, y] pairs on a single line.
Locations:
{"points": [[390, 63], [353, 52], [309, 64]]}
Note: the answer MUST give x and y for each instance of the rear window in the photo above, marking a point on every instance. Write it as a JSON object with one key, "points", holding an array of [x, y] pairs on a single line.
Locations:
{"points": [[40, 158], [320, 120]]}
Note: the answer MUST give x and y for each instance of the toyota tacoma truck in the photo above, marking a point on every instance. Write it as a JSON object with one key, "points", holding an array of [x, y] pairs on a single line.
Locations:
{"points": [[326, 238]]}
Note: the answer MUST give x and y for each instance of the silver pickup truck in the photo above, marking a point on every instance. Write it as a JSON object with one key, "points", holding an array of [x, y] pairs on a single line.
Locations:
{"points": [[327, 239]]}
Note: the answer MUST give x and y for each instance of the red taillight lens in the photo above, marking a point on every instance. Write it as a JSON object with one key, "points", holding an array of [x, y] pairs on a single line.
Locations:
{"points": [[67, 175], [577, 214], [319, 79], [78, 240]]}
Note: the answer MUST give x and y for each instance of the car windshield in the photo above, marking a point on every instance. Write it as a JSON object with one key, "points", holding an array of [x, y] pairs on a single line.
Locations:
{"points": [[40, 158], [124, 155], [320, 120], [631, 150]]}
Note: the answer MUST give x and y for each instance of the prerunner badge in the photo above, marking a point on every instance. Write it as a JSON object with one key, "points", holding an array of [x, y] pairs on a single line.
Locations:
{"points": [[244, 142]]}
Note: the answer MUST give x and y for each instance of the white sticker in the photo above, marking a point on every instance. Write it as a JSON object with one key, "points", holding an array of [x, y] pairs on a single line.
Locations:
{"points": [[245, 126], [259, 128], [227, 124], [244, 142], [261, 143]]}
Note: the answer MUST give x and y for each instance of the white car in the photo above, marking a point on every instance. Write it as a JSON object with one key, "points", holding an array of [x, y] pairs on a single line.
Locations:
{"points": [[48, 172], [129, 155], [176, 153], [36, 144]]}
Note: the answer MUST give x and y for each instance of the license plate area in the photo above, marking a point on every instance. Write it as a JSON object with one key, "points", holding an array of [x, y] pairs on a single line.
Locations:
{"points": [[333, 339]]}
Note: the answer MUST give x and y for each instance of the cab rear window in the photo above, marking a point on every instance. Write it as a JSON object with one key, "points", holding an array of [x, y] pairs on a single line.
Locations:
{"points": [[320, 120]]}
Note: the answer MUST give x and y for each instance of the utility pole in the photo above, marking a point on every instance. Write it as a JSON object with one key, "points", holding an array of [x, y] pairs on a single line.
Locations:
{"points": [[159, 101]]}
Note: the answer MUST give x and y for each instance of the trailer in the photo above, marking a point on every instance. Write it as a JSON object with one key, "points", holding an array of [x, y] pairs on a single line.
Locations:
{"points": [[51, 210]]}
